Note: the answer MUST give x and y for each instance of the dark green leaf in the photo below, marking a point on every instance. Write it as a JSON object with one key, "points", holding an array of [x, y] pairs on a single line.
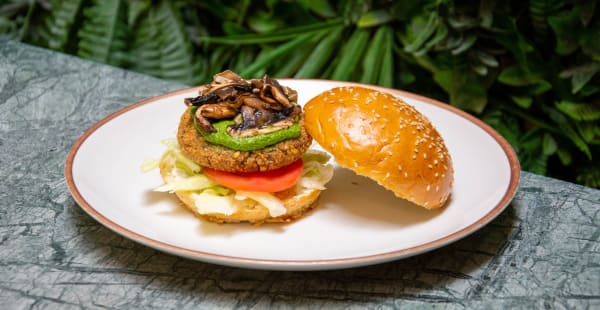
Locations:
{"points": [[539, 11], [580, 111], [580, 75], [276, 36], [104, 36], [590, 45], [350, 55], [522, 101], [589, 175], [374, 18], [549, 146], [465, 44], [320, 56], [320, 7], [386, 75], [567, 129], [58, 31], [266, 59], [162, 46], [135, 9], [419, 30], [263, 22], [565, 26], [373, 57], [564, 156], [516, 76], [486, 12], [587, 11], [486, 58], [466, 91]]}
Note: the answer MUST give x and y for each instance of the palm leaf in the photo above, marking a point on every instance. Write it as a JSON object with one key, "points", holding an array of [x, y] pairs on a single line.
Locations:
{"points": [[162, 46], [276, 36], [104, 36], [350, 55], [314, 64], [59, 31], [269, 56]]}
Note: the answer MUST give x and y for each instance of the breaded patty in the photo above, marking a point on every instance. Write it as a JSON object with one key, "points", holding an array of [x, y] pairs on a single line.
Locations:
{"points": [[218, 157]]}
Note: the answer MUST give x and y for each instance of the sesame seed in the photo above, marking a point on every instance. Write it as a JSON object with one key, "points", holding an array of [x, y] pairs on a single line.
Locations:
{"points": [[406, 174], [400, 167], [424, 155], [437, 188], [428, 187], [430, 166]]}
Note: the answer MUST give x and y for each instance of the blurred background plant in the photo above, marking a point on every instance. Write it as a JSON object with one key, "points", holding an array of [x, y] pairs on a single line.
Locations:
{"points": [[527, 68]]}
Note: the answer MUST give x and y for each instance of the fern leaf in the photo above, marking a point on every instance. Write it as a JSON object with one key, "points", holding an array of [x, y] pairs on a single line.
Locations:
{"points": [[162, 46], [59, 28], [104, 36], [539, 11]]}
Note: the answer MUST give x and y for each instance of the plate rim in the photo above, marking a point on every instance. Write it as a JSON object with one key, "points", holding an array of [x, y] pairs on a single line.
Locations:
{"points": [[313, 264]]}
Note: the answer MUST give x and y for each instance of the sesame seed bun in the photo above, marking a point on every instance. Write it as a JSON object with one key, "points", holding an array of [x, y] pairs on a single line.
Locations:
{"points": [[380, 136]]}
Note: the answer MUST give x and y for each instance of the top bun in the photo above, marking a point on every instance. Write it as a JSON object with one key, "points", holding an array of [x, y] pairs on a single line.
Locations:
{"points": [[379, 136]]}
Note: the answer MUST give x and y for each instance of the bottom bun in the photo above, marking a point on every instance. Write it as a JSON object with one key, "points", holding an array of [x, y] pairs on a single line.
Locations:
{"points": [[297, 202]]}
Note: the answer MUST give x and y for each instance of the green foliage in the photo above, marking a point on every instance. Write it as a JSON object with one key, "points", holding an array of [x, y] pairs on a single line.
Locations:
{"points": [[105, 36], [531, 69]]}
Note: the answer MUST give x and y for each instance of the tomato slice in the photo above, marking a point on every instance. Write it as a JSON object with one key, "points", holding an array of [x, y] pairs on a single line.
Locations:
{"points": [[260, 181]]}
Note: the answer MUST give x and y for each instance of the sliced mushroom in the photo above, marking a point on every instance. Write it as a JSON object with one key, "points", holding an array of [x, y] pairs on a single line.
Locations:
{"points": [[217, 111], [201, 100], [227, 77], [203, 123], [257, 105]]}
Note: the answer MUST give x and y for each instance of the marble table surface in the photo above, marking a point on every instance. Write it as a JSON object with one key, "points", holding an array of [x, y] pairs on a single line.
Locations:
{"points": [[543, 251]]}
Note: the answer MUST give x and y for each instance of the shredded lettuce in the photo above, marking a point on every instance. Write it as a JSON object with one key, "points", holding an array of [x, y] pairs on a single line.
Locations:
{"points": [[272, 203], [315, 155], [149, 164], [193, 183], [210, 197], [207, 202]]}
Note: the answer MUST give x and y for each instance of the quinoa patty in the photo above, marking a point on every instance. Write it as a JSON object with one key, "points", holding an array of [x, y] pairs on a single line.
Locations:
{"points": [[218, 157]]}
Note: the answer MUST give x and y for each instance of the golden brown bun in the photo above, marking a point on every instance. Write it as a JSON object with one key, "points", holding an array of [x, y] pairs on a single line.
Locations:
{"points": [[296, 204], [379, 136]]}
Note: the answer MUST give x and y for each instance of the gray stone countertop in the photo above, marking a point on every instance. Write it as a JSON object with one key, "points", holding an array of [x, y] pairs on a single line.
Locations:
{"points": [[543, 251]]}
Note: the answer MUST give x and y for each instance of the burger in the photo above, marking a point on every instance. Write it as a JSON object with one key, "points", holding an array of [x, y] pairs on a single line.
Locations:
{"points": [[242, 153], [243, 149], [382, 137]]}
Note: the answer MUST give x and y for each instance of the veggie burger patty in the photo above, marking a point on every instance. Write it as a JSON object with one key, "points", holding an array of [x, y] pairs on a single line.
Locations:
{"points": [[219, 157]]}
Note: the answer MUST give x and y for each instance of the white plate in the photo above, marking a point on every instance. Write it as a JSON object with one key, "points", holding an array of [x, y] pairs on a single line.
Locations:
{"points": [[357, 222]]}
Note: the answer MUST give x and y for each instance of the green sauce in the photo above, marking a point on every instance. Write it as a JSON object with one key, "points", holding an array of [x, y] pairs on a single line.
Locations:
{"points": [[222, 137]]}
